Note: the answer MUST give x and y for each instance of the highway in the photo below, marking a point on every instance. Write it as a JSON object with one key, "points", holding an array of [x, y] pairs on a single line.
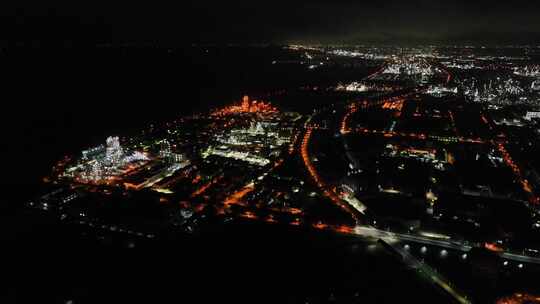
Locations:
{"points": [[392, 237], [520, 258], [427, 272], [400, 237]]}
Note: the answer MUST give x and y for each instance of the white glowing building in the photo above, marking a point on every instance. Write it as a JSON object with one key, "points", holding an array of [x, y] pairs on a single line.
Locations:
{"points": [[114, 152], [105, 161]]}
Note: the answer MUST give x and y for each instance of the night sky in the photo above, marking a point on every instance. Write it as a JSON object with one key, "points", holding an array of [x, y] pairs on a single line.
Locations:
{"points": [[182, 22]]}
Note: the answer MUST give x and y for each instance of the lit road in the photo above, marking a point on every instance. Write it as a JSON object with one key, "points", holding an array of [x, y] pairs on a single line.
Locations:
{"points": [[520, 258], [394, 237], [329, 193], [428, 273]]}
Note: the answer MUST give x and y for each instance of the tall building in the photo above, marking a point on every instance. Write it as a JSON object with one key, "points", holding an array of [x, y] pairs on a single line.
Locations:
{"points": [[245, 104], [165, 149], [532, 115], [167, 154], [114, 152]]}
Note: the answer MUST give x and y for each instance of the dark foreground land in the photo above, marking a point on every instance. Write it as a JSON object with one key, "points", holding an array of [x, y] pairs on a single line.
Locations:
{"points": [[235, 262]]}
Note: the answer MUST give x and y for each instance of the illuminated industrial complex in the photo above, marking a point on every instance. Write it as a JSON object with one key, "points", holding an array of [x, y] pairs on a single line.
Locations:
{"points": [[431, 150]]}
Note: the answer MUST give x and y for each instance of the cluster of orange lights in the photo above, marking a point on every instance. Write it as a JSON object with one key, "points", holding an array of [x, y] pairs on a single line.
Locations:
{"points": [[517, 172], [493, 247], [249, 215], [206, 186], [344, 123], [320, 225], [237, 197], [392, 103], [246, 106], [519, 298], [297, 222], [395, 105], [270, 219]]}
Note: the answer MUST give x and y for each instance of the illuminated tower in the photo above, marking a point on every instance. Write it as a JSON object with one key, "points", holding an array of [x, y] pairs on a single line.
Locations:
{"points": [[245, 104], [165, 150]]}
